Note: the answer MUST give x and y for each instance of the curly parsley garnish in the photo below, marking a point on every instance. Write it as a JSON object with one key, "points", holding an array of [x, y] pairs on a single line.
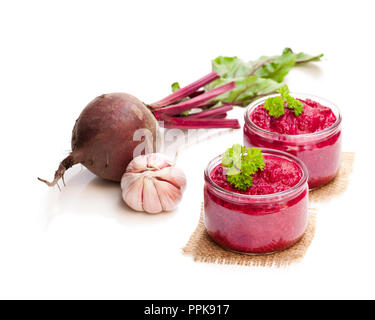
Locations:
{"points": [[241, 163], [276, 105]]}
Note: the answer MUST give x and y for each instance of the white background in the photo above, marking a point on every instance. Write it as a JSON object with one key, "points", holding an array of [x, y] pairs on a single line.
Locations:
{"points": [[84, 242]]}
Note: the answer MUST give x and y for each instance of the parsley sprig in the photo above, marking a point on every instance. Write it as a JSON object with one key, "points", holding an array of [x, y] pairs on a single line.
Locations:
{"points": [[276, 105], [241, 163]]}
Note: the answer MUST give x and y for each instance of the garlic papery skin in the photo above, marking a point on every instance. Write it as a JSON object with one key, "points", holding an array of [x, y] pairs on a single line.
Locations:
{"points": [[152, 184]]}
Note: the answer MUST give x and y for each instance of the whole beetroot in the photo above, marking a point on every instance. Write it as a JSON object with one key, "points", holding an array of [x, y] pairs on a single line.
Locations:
{"points": [[103, 135]]}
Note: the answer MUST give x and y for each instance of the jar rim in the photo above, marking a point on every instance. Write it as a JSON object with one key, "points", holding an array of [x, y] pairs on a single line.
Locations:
{"points": [[265, 151], [315, 98]]}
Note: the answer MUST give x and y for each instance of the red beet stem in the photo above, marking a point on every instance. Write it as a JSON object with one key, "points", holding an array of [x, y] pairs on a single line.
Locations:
{"points": [[218, 116], [196, 93], [211, 112], [185, 91], [194, 102], [185, 123]]}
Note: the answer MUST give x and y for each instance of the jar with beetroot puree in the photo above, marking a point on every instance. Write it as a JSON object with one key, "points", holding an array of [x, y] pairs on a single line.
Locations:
{"points": [[270, 216], [314, 136]]}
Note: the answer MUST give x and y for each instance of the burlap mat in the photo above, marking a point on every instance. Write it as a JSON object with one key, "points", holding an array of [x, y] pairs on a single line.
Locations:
{"points": [[339, 184], [203, 249]]}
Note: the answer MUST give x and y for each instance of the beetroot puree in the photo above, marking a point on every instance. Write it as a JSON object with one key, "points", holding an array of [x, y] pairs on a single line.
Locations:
{"points": [[278, 175], [314, 136], [314, 118], [258, 225]]}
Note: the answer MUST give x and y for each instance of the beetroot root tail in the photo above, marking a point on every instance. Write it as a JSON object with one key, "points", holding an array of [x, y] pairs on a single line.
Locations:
{"points": [[67, 163]]}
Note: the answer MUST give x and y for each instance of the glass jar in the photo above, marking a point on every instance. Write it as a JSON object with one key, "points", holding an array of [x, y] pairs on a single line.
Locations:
{"points": [[320, 151], [256, 224]]}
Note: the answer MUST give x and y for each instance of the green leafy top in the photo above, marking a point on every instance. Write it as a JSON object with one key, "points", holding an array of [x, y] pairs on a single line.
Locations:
{"points": [[175, 86], [276, 105], [255, 78], [241, 163]]}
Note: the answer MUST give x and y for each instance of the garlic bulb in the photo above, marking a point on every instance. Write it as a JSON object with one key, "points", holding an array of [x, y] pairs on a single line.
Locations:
{"points": [[152, 184]]}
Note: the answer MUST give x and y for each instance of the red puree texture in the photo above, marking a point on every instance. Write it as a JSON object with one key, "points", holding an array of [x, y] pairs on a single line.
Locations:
{"points": [[321, 154], [278, 175], [258, 227], [314, 118]]}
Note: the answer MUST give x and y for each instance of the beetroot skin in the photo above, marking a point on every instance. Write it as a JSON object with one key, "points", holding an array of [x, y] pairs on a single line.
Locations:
{"points": [[103, 135]]}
